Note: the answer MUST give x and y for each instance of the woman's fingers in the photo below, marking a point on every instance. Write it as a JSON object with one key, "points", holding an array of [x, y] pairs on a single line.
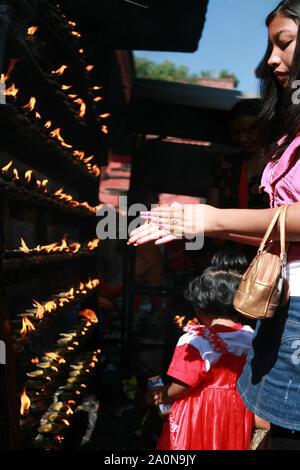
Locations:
{"points": [[146, 233]]}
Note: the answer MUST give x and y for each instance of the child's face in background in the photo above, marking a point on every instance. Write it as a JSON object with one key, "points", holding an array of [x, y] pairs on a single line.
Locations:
{"points": [[242, 134]]}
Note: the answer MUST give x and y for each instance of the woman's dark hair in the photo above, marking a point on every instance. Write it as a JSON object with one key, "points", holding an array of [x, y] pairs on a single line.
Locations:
{"points": [[213, 291], [280, 116]]}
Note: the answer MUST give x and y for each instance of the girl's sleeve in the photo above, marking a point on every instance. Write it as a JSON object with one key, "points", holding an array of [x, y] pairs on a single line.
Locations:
{"points": [[187, 365]]}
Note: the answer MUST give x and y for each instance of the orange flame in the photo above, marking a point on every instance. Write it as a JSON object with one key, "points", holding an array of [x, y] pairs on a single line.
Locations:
{"points": [[56, 357], [48, 124], [5, 168], [16, 174], [12, 64], [66, 87], [59, 191], [180, 321], [11, 91], [70, 294], [40, 310], [48, 248], [32, 30], [35, 360], [30, 106], [26, 326], [75, 247], [75, 33], [28, 174], [82, 107], [24, 246], [62, 247], [69, 411], [37, 115], [105, 115], [78, 153], [88, 159], [104, 129], [62, 301], [93, 244], [25, 403], [49, 306], [56, 133], [89, 314], [59, 71], [89, 68], [96, 170], [81, 51], [98, 98], [66, 422]]}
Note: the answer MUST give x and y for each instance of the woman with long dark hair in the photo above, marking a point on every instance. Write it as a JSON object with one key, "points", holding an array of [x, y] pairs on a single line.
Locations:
{"points": [[270, 383]]}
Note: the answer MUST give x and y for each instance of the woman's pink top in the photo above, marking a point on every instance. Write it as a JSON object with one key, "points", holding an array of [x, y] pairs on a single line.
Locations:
{"points": [[281, 181]]}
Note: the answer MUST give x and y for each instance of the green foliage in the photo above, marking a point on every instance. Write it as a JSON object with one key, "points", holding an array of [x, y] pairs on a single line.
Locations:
{"points": [[167, 70]]}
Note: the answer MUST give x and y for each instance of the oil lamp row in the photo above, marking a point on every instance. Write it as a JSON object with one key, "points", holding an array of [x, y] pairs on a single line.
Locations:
{"points": [[55, 252], [74, 99], [17, 185], [34, 322], [52, 366], [47, 136], [44, 416]]}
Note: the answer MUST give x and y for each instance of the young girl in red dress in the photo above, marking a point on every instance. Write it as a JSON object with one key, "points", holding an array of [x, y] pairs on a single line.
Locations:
{"points": [[207, 411]]}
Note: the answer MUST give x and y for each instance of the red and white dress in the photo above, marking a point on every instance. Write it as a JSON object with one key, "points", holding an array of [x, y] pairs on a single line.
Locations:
{"points": [[212, 415]]}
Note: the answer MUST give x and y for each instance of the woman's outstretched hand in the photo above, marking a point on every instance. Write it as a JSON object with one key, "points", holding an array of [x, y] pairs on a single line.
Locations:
{"points": [[168, 223]]}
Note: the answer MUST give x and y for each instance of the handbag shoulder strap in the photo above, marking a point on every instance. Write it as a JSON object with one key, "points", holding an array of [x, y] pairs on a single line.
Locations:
{"points": [[283, 247], [270, 228]]}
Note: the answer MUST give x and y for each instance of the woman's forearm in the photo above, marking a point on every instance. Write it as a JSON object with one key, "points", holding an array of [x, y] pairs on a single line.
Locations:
{"points": [[253, 223]]}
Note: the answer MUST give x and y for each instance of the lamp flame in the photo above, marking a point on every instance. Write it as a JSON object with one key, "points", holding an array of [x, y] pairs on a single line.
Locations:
{"points": [[56, 133], [11, 91], [28, 174], [82, 107], [93, 244], [25, 403], [88, 314], [59, 71], [12, 64], [6, 167], [32, 30], [26, 326], [40, 310], [30, 106], [24, 246]]}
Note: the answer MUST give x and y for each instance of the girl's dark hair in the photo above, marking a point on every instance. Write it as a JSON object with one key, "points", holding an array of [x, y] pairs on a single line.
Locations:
{"points": [[230, 261], [213, 291], [280, 116]]}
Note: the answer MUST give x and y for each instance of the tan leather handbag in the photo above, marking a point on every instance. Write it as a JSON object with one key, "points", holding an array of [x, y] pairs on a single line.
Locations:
{"points": [[263, 287]]}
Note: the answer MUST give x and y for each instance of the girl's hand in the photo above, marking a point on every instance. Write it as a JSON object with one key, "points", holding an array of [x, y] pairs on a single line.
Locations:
{"points": [[157, 396]]}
